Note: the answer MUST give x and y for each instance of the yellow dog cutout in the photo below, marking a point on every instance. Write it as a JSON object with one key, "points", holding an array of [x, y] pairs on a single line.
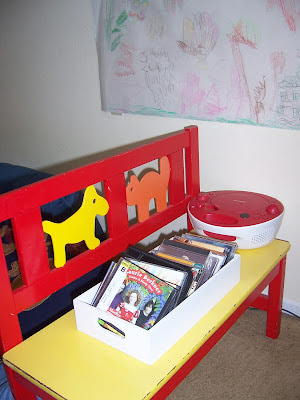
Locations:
{"points": [[80, 226]]}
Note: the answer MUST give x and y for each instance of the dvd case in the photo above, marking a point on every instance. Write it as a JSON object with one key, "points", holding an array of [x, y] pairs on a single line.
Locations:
{"points": [[203, 262], [137, 296], [229, 248], [177, 253], [103, 285], [173, 276], [141, 255], [217, 256]]}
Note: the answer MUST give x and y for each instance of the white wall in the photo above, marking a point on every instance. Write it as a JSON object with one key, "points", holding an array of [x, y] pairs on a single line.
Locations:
{"points": [[50, 114]]}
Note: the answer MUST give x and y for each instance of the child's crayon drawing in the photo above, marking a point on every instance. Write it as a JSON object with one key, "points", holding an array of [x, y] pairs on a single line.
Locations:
{"points": [[224, 61]]}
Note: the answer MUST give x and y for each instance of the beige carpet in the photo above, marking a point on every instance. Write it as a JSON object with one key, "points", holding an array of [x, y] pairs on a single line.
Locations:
{"points": [[246, 365]]}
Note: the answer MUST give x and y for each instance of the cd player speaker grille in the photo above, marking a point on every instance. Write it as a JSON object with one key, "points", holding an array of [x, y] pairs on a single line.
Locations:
{"points": [[264, 237]]}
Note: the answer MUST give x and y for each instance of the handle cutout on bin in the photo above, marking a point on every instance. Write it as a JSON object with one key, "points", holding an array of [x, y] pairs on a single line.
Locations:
{"points": [[110, 327]]}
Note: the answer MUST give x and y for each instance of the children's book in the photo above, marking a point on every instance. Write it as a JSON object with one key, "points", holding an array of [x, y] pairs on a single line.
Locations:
{"points": [[137, 295]]}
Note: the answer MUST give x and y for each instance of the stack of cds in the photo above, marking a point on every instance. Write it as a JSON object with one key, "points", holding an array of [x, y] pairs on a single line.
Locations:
{"points": [[142, 288]]}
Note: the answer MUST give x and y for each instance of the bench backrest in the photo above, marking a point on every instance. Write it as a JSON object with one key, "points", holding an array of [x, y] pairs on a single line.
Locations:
{"points": [[22, 207]]}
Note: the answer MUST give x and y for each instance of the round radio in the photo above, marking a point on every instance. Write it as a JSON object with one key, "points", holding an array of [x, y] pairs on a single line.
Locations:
{"points": [[250, 219]]}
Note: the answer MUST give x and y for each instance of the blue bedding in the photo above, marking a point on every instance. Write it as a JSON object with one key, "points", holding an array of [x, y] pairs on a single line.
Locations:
{"points": [[32, 320]]}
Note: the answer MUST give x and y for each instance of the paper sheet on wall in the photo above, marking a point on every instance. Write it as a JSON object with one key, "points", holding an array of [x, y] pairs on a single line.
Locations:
{"points": [[232, 61]]}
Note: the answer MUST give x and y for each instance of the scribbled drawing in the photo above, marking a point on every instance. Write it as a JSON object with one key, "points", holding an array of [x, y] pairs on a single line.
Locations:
{"points": [[154, 27], [158, 75], [213, 104], [243, 33], [288, 110], [225, 92], [186, 58], [211, 98], [114, 27], [290, 10], [123, 64], [109, 18], [138, 9], [259, 97], [277, 61], [127, 3], [235, 95], [171, 5], [199, 36], [190, 93]]}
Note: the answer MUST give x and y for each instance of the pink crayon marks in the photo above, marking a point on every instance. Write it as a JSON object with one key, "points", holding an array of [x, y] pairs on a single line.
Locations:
{"points": [[241, 35], [213, 99], [138, 9], [123, 64], [290, 10], [172, 5], [213, 102], [190, 93], [264, 94]]}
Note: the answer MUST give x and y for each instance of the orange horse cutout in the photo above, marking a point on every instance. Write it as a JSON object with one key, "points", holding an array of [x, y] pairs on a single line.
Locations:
{"points": [[152, 185], [80, 226]]}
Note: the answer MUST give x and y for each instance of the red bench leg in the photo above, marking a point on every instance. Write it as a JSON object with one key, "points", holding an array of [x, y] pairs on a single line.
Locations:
{"points": [[275, 302], [19, 391]]}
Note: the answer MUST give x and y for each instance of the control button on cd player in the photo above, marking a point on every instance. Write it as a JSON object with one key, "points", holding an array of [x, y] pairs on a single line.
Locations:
{"points": [[203, 197], [244, 215], [272, 209]]}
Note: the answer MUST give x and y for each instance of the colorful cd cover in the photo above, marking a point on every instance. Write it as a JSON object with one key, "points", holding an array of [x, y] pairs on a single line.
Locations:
{"points": [[172, 276], [181, 270], [137, 296]]}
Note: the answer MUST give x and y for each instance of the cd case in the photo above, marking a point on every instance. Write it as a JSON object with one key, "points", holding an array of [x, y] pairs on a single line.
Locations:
{"points": [[202, 262], [205, 256], [186, 272], [136, 295], [215, 245]]}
